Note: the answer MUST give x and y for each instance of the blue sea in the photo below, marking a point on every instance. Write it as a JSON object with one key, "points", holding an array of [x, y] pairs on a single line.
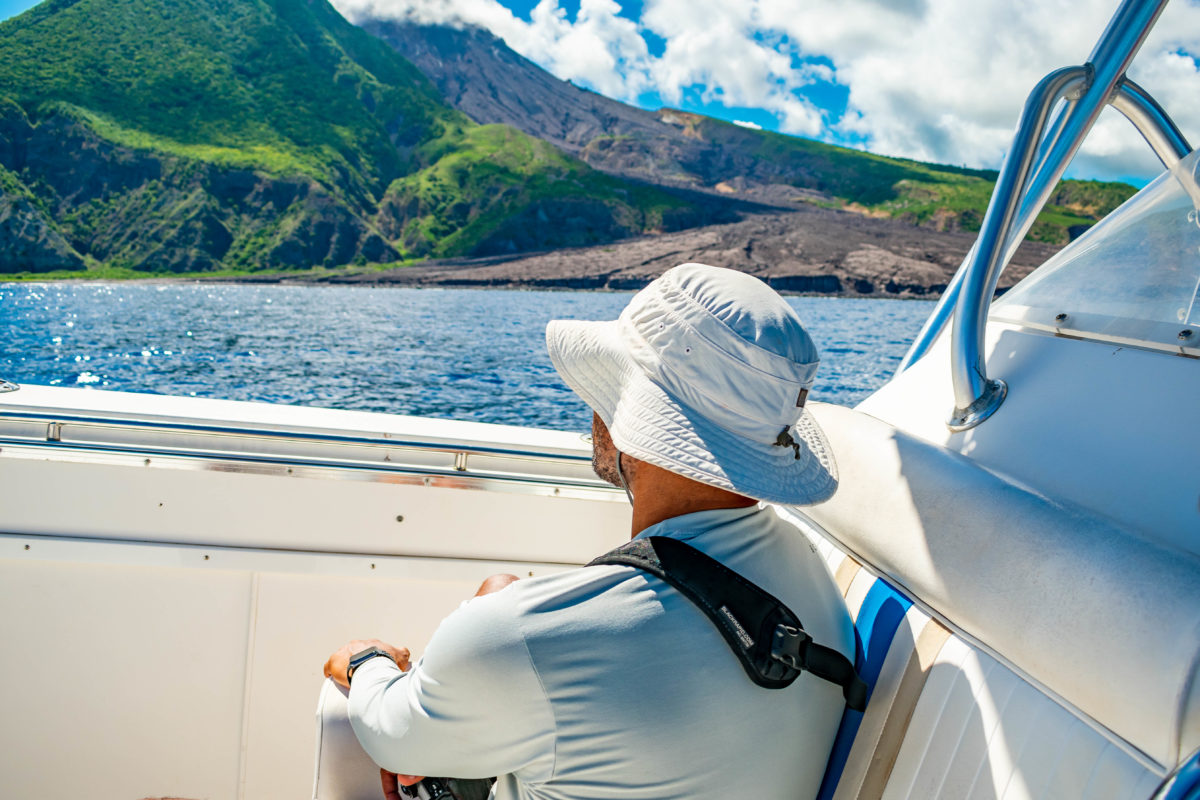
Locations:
{"points": [[457, 354]]}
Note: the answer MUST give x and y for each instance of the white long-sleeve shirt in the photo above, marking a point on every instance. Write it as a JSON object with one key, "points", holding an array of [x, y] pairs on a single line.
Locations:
{"points": [[605, 682]]}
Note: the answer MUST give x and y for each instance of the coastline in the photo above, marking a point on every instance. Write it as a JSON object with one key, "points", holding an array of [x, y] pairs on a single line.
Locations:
{"points": [[810, 250]]}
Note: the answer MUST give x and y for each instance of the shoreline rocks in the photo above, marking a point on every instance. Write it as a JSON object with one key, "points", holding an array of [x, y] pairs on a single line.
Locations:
{"points": [[810, 251]]}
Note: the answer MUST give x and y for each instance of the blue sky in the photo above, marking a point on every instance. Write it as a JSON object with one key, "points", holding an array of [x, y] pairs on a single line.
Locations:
{"points": [[935, 80], [10, 8], [826, 95]]}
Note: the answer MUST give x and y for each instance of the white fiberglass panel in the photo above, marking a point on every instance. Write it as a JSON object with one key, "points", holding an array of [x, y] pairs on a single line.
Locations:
{"points": [[1108, 427], [1134, 278], [156, 670]]}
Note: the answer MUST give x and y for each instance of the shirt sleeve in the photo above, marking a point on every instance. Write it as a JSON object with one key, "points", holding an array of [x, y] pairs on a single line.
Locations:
{"points": [[471, 707]]}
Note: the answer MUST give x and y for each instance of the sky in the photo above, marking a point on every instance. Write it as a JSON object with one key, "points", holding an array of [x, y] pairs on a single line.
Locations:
{"points": [[935, 80]]}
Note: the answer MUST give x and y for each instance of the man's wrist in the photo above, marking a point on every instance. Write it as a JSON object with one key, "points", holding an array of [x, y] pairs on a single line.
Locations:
{"points": [[363, 657]]}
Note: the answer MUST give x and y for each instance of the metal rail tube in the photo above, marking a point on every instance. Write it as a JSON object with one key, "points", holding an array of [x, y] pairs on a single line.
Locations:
{"points": [[971, 385], [976, 397], [1040, 183], [1152, 122], [1109, 59], [936, 321]]}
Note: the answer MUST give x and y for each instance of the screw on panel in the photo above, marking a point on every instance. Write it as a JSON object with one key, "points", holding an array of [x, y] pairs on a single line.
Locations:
{"points": [[26, 547], [146, 462], [206, 557], [1186, 333], [372, 566], [428, 481], [399, 518]]}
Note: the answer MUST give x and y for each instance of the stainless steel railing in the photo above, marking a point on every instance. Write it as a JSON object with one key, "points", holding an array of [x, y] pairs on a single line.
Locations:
{"points": [[975, 395], [1040, 154]]}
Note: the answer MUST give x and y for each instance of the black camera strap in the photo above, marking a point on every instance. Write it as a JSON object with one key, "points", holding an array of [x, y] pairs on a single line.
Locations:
{"points": [[762, 632]]}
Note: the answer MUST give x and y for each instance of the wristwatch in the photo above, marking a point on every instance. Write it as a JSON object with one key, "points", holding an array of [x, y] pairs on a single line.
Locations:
{"points": [[363, 656]]}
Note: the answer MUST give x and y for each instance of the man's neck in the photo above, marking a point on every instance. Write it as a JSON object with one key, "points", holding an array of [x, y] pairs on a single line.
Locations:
{"points": [[660, 495]]}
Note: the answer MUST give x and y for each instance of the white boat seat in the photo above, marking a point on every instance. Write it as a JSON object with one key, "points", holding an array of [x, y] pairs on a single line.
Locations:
{"points": [[344, 771], [947, 720], [1036, 693]]}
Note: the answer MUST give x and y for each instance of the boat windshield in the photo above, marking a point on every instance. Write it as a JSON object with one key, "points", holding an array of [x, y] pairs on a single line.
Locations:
{"points": [[1134, 278]]}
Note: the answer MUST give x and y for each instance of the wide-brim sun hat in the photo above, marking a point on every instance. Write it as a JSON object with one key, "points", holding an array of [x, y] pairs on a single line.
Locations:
{"points": [[705, 373]]}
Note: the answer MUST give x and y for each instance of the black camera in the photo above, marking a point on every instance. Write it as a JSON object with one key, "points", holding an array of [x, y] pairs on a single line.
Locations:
{"points": [[449, 789]]}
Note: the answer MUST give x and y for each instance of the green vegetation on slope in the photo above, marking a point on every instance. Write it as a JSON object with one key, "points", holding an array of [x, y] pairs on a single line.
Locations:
{"points": [[943, 196], [938, 195], [11, 185], [493, 189], [187, 135], [960, 203], [287, 86]]}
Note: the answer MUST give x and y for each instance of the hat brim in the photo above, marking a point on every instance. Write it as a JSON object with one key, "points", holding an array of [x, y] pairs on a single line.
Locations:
{"points": [[648, 423]]}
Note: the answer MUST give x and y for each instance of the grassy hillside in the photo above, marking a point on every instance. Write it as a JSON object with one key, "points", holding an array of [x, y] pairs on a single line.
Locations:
{"points": [[186, 135], [937, 195], [287, 86], [494, 189]]}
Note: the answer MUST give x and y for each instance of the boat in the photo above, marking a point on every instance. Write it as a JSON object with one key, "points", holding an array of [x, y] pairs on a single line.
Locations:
{"points": [[1016, 533]]}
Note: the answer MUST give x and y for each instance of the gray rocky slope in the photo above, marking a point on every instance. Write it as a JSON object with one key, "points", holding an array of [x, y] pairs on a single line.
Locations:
{"points": [[811, 251], [784, 238]]}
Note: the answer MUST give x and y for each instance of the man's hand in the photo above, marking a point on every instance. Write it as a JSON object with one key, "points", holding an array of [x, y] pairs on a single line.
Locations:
{"points": [[336, 666], [392, 783]]}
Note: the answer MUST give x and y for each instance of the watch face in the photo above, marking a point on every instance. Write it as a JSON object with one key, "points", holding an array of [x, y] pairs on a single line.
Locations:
{"points": [[363, 655]]}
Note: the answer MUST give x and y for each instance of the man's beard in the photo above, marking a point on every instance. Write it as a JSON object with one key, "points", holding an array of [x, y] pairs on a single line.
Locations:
{"points": [[604, 454]]}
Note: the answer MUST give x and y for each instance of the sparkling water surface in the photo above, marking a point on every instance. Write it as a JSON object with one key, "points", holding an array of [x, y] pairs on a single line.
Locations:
{"points": [[451, 353]]}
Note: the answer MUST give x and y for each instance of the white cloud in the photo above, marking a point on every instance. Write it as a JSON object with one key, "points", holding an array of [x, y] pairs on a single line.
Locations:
{"points": [[938, 80], [946, 81], [747, 124], [725, 47], [599, 48]]}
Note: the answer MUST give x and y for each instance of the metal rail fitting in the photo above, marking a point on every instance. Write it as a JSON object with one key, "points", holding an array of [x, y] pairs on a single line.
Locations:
{"points": [[975, 395], [1109, 59], [1041, 186], [1159, 131]]}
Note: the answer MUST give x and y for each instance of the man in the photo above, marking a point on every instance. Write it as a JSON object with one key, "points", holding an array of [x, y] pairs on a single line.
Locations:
{"points": [[605, 682]]}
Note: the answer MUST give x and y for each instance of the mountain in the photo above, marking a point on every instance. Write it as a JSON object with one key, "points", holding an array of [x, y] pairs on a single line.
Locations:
{"points": [[202, 135], [235, 136], [481, 76], [478, 74]]}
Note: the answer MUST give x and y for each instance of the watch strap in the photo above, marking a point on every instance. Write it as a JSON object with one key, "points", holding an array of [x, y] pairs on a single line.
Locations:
{"points": [[362, 657]]}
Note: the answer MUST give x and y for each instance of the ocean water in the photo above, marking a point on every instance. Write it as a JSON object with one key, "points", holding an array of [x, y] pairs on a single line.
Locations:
{"points": [[457, 354]]}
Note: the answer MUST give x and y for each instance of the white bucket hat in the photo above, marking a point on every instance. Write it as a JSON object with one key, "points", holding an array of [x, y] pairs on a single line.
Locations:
{"points": [[705, 374]]}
